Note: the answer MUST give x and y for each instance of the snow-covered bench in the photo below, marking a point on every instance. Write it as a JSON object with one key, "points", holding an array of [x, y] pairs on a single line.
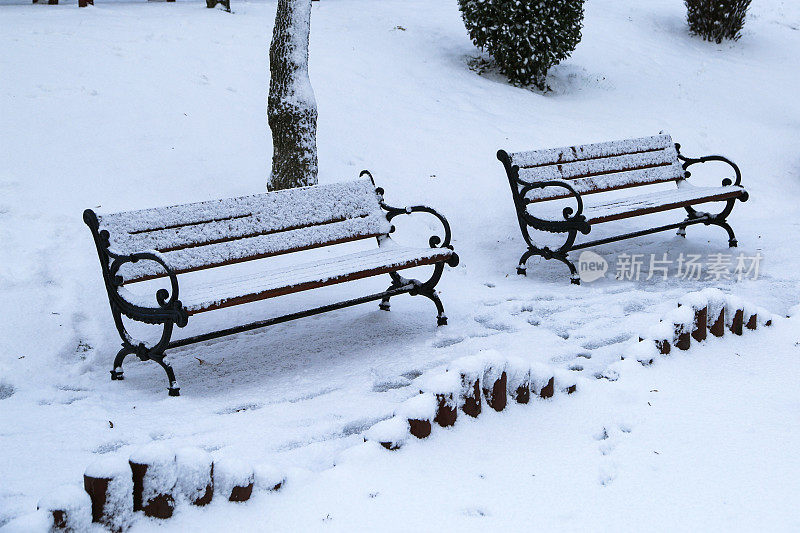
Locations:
{"points": [[573, 172], [166, 242]]}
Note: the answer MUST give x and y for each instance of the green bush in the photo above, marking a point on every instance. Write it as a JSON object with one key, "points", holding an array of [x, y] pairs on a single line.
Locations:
{"points": [[715, 20], [525, 37]]}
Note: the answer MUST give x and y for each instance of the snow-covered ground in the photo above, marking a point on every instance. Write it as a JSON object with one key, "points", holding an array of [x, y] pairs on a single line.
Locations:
{"points": [[132, 105]]}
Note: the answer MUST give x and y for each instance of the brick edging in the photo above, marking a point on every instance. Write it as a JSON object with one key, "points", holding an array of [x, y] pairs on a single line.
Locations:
{"points": [[462, 389]]}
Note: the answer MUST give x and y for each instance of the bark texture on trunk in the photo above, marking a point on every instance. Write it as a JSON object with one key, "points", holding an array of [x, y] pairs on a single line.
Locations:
{"points": [[292, 109]]}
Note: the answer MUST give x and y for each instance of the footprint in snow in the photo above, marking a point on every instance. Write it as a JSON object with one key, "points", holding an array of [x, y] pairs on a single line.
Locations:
{"points": [[447, 341], [412, 374], [390, 384], [613, 435], [72, 399], [359, 426], [71, 388], [108, 447], [606, 475], [602, 435], [607, 446], [239, 408], [489, 322], [608, 441], [7, 390], [599, 343], [312, 395]]}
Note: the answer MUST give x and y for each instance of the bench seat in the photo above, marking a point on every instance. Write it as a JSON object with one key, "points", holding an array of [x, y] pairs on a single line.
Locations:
{"points": [[296, 278], [645, 204]]}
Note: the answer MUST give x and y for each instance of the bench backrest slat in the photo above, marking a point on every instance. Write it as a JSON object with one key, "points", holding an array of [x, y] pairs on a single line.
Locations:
{"points": [[600, 167], [611, 182], [219, 232], [568, 154]]}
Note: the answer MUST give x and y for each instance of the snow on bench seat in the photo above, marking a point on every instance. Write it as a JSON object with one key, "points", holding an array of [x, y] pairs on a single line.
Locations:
{"points": [[279, 281], [644, 204]]}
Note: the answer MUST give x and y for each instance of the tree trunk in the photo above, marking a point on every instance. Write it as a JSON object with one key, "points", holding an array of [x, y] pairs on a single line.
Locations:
{"points": [[291, 109]]}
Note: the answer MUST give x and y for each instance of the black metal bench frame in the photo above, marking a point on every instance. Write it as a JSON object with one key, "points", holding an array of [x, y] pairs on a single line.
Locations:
{"points": [[575, 222], [171, 312]]}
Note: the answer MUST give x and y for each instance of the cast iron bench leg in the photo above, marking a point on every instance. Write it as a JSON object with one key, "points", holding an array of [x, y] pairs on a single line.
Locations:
{"points": [[441, 318], [116, 372], [397, 281], [548, 254], [173, 389], [731, 236]]}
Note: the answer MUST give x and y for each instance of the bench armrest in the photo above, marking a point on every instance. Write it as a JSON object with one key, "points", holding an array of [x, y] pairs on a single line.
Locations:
{"points": [[689, 161], [435, 241], [573, 218], [169, 309], [169, 306]]}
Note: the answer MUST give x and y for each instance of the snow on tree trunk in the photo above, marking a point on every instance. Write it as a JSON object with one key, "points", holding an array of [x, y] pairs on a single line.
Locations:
{"points": [[292, 109]]}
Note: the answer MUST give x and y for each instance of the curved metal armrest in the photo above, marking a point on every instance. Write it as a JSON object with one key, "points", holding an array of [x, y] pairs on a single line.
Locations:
{"points": [[167, 299], [689, 161], [568, 211], [170, 308], [435, 241], [163, 296], [573, 219]]}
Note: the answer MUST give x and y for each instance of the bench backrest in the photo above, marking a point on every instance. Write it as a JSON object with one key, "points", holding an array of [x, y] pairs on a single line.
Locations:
{"points": [[221, 232], [600, 167]]}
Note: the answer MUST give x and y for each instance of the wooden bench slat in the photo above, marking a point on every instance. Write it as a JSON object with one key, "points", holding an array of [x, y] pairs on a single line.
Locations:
{"points": [[568, 154], [645, 203], [597, 167], [606, 182], [171, 239], [287, 280], [258, 247], [657, 202], [169, 228]]}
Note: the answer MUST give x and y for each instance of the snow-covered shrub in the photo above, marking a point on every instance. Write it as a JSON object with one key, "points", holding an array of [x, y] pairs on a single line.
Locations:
{"points": [[715, 20], [525, 37]]}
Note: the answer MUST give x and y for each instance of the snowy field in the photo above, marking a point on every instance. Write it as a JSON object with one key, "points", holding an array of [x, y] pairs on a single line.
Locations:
{"points": [[133, 105]]}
